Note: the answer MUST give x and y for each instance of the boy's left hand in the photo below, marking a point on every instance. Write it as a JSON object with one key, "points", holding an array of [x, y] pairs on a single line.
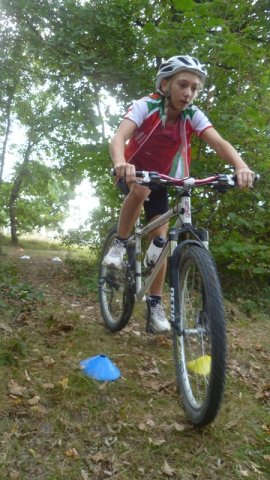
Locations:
{"points": [[245, 177]]}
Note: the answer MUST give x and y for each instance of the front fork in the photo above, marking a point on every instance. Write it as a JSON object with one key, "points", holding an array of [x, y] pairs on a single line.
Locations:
{"points": [[181, 237]]}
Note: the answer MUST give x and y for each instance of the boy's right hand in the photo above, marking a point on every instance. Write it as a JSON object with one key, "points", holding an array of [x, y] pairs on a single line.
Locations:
{"points": [[126, 171]]}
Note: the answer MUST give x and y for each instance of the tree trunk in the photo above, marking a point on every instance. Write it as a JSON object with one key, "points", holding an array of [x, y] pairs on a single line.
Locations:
{"points": [[7, 131], [15, 192]]}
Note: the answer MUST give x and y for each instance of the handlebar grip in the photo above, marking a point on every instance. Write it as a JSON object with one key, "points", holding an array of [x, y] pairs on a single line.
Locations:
{"points": [[139, 174], [256, 179]]}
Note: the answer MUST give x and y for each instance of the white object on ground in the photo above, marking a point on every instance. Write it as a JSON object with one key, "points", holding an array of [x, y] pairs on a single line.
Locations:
{"points": [[56, 259]]}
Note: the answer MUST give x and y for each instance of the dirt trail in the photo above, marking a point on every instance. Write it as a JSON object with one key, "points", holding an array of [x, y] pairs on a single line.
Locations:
{"points": [[52, 277], [132, 428]]}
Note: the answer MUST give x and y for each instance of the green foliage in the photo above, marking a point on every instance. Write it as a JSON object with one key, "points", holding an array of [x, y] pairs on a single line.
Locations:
{"points": [[77, 238], [11, 350], [239, 227], [20, 292], [246, 257], [15, 295], [8, 273], [84, 273]]}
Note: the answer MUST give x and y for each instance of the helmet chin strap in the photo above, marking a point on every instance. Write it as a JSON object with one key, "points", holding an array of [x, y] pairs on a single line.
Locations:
{"points": [[168, 104], [169, 100]]}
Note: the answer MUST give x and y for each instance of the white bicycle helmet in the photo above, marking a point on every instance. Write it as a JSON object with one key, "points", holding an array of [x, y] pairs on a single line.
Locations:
{"points": [[178, 64]]}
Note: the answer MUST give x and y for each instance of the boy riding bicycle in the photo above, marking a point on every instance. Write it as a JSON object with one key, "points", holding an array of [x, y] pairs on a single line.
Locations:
{"points": [[158, 129]]}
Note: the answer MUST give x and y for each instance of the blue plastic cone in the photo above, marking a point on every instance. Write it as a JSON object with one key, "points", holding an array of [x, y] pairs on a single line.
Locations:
{"points": [[100, 368]]}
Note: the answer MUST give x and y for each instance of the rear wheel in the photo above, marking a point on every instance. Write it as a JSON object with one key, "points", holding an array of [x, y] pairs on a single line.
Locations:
{"points": [[116, 288], [199, 335]]}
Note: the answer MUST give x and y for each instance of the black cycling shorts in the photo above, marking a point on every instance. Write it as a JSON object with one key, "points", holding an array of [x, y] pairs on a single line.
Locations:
{"points": [[157, 202]]}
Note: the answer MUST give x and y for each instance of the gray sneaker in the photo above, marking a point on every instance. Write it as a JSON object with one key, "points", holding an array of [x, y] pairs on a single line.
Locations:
{"points": [[158, 321], [114, 257]]}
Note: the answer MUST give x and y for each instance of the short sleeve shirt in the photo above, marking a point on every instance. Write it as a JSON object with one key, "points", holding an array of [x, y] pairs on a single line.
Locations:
{"points": [[155, 146]]}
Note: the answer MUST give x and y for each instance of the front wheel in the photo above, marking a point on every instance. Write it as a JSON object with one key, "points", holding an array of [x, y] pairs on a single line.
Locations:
{"points": [[116, 288], [199, 334]]}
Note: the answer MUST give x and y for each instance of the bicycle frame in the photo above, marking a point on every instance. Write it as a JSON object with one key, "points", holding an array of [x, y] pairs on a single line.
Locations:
{"points": [[183, 212]]}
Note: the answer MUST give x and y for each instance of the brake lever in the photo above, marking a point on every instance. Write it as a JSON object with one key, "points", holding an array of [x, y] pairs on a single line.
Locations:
{"points": [[229, 181], [224, 182]]}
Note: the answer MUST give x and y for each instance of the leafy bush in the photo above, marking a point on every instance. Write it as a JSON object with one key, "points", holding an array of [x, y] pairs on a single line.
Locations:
{"points": [[244, 257]]}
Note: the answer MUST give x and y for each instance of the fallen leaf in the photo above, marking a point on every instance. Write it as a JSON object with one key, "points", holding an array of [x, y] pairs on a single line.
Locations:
{"points": [[49, 361], [232, 424], [58, 443], [110, 440], [16, 400], [244, 473], [5, 327], [142, 427], [84, 475], [15, 389], [64, 383], [14, 475], [103, 385], [179, 427], [150, 422], [97, 457], [27, 376], [157, 442], [255, 468], [38, 410], [159, 387], [264, 393], [33, 452], [72, 452], [48, 386], [167, 469], [34, 401], [163, 341], [153, 371], [109, 473]]}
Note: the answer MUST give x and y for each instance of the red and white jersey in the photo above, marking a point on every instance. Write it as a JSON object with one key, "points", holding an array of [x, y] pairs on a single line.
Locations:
{"points": [[165, 149]]}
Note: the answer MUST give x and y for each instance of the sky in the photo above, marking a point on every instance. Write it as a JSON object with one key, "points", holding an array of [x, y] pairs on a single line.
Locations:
{"points": [[81, 206]]}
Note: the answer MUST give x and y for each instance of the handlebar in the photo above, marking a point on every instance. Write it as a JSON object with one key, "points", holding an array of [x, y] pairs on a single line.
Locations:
{"points": [[154, 178], [220, 181]]}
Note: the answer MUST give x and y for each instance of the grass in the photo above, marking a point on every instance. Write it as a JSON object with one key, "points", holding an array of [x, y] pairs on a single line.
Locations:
{"points": [[56, 423]]}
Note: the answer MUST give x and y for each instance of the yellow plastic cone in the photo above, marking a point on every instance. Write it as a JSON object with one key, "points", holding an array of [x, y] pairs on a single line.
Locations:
{"points": [[201, 365]]}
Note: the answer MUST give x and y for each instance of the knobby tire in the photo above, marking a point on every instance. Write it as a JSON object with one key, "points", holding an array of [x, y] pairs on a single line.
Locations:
{"points": [[199, 335]]}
